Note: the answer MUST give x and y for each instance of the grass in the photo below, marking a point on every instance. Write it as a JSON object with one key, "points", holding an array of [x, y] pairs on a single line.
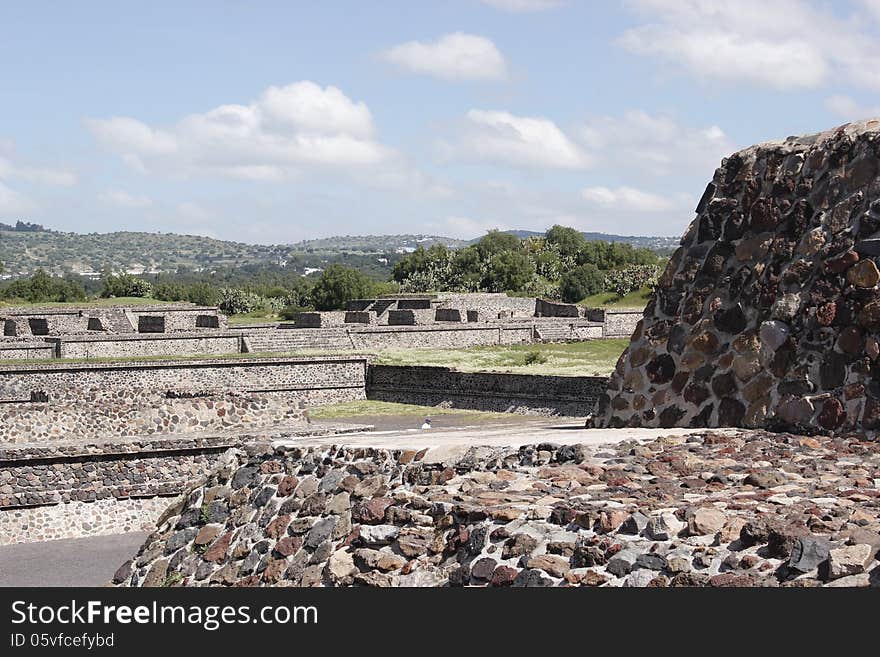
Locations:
{"points": [[637, 299], [255, 317], [590, 358], [364, 408]]}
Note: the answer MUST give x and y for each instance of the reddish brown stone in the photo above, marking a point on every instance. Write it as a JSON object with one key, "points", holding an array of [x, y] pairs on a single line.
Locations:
{"points": [[825, 314], [504, 576], [277, 527], [288, 545], [850, 340], [372, 512], [706, 343], [832, 415], [287, 485], [842, 263], [217, 552]]}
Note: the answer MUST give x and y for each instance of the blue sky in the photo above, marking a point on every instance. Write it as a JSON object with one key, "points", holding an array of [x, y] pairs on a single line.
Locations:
{"points": [[279, 121]]}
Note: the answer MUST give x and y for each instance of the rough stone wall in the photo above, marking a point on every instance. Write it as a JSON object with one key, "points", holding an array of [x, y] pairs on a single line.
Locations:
{"points": [[102, 517], [142, 412], [445, 336], [485, 391], [71, 383], [411, 317], [545, 308], [19, 350], [492, 304], [134, 346], [717, 509], [616, 323], [768, 315], [114, 320]]}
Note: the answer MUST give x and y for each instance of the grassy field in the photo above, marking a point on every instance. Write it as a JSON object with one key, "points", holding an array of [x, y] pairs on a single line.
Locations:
{"points": [[637, 299], [591, 358], [389, 409]]}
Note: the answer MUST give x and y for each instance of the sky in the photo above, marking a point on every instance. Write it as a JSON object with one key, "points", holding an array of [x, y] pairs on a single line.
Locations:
{"points": [[274, 122]]}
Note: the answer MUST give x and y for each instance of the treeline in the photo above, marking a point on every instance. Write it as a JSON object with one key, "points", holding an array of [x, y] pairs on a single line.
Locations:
{"points": [[562, 264]]}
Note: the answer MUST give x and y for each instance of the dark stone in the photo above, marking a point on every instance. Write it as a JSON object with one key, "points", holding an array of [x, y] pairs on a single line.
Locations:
{"points": [[732, 320], [702, 418], [246, 476], [676, 340], [482, 569], [661, 369], [871, 415], [122, 573], [795, 387], [320, 532], [651, 561], [670, 416], [832, 414], [730, 412], [832, 371], [696, 394], [724, 384], [850, 340], [531, 578], [808, 552], [868, 247]]}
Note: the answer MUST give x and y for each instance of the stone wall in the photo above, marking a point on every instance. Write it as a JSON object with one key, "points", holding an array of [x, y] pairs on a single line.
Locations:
{"points": [[484, 391], [616, 322], [315, 379], [140, 345], [411, 317], [443, 336], [545, 308], [768, 315], [133, 412], [109, 319], [20, 350]]}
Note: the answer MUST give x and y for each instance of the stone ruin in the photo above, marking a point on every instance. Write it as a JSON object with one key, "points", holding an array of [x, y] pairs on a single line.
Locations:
{"points": [[768, 314]]}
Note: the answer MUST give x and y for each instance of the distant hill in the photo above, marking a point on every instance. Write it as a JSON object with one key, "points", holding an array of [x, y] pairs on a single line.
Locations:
{"points": [[24, 250], [25, 247]]}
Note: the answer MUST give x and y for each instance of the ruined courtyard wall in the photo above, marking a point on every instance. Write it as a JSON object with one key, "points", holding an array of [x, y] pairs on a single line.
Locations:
{"points": [[525, 394], [768, 314], [141, 345], [333, 377]]}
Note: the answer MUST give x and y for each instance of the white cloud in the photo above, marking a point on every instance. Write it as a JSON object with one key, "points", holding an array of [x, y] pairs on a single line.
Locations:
{"points": [[11, 202], [524, 5], [121, 199], [518, 140], [457, 56], [627, 198], [655, 144], [783, 44], [37, 175], [849, 109], [287, 129]]}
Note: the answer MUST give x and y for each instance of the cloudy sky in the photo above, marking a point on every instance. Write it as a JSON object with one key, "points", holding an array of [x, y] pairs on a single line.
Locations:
{"points": [[281, 121]]}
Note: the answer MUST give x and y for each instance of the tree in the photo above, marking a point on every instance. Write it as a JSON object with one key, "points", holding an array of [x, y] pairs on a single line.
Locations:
{"points": [[581, 282], [125, 285], [567, 241], [40, 286], [337, 285], [495, 242], [509, 270]]}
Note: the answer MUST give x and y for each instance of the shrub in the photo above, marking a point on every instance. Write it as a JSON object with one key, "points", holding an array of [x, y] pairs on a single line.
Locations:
{"points": [[581, 282], [630, 279], [534, 357]]}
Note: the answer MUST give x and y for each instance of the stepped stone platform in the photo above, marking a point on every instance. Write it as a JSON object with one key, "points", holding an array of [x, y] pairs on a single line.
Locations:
{"points": [[768, 315], [716, 508]]}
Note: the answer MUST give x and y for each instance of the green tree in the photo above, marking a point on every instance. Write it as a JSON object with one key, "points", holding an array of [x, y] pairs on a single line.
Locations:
{"points": [[337, 285], [567, 241], [508, 271], [496, 241], [581, 282], [41, 286]]}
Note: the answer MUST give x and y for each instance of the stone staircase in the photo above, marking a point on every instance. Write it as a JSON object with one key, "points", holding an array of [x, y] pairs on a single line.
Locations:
{"points": [[553, 332], [292, 340]]}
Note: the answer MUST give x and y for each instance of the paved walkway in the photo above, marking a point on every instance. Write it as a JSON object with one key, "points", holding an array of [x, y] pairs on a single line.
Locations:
{"points": [[87, 561]]}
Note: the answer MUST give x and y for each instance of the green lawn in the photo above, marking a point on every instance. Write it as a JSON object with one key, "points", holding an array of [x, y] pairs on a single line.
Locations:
{"points": [[637, 299], [590, 358]]}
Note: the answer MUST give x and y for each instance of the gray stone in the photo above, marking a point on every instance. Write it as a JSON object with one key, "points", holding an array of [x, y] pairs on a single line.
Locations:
{"points": [[808, 552]]}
